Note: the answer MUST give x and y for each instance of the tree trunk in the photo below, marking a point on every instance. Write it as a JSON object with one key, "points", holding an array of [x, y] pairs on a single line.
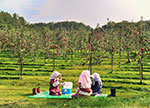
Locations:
{"points": [[44, 60], [66, 57], [128, 55], [141, 72], [106, 53], [90, 63], [141, 69], [120, 58], [111, 62], [81, 54], [4, 50], [76, 53], [34, 54], [53, 60], [21, 66], [72, 57], [18, 62], [48, 55], [13, 53]]}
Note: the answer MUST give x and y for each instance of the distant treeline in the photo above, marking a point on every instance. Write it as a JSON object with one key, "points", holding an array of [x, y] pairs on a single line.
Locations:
{"points": [[12, 21], [8, 21]]}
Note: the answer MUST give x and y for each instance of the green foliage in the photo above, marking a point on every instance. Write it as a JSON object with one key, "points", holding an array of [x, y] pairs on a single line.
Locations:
{"points": [[34, 49]]}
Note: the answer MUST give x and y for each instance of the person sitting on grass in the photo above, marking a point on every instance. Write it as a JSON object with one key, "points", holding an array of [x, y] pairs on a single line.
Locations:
{"points": [[84, 85], [96, 84], [55, 83]]}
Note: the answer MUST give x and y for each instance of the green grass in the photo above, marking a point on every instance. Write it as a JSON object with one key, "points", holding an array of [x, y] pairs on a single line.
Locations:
{"points": [[130, 93]]}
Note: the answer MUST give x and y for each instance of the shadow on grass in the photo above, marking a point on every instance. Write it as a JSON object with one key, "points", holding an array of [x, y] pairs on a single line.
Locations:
{"points": [[29, 94], [10, 78]]}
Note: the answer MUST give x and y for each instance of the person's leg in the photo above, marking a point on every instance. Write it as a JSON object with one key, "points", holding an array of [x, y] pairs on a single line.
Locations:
{"points": [[75, 95], [54, 93], [93, 94], [59, 93]]}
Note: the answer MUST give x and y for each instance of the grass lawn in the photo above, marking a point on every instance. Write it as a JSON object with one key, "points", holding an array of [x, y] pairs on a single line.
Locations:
{"points": [[129, 93]]}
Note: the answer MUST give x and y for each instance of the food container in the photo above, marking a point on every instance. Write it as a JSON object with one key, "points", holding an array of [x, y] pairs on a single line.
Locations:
{"points": [[67, 88], [68, 85], [66, 91]]}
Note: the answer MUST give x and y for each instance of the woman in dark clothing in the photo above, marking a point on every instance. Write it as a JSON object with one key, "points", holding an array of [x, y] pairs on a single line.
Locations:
{"points": [[96, 84]]}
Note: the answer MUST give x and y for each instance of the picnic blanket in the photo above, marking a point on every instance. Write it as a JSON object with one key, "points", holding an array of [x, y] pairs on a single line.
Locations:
{"points": [[45, 94]]}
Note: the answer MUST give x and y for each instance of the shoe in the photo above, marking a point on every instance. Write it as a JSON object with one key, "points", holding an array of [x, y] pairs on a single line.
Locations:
{"points": [[38, 90], [34, 91]]}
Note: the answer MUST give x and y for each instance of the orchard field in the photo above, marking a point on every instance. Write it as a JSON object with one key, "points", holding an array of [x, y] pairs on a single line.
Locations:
{"points": [[14, 92], [29, 53]]}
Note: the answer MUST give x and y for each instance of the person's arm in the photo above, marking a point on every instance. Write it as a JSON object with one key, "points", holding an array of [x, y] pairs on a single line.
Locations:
{"points": [[60, 79], [61, 83], [79, 85], [56, 83], [78, 88]]}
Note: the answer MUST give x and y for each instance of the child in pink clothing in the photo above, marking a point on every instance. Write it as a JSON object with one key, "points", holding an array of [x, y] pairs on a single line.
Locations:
{"points": [[54, 83], [84, 85]]}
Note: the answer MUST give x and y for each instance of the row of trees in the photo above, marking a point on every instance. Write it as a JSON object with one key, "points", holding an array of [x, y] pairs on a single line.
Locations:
{"points": [[66, 39]]}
